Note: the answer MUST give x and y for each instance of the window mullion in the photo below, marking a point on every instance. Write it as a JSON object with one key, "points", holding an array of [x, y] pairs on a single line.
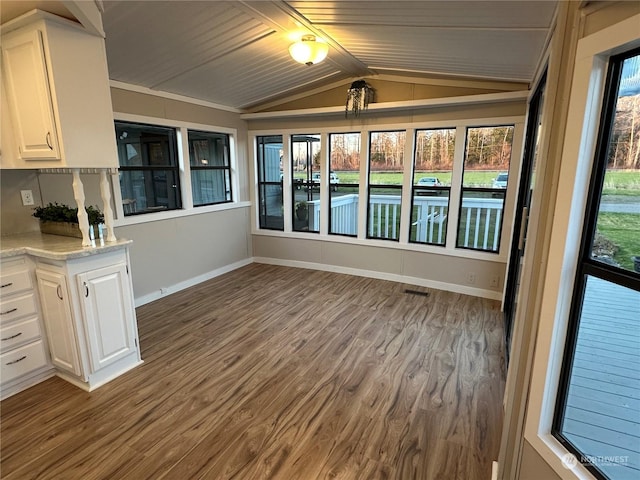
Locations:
{"points": [[287, 182], [363, 193], [455, 194], [407, 181], [185, 171]]}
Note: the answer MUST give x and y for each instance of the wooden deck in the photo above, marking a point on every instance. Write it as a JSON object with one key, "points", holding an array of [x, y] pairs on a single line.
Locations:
{"points": [[603, 407]]}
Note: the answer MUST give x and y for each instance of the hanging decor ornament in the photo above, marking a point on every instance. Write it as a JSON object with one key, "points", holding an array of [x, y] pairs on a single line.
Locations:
{"points": [[359, 95]]}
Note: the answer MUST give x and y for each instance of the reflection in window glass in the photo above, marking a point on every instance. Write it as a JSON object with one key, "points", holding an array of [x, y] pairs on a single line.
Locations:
{"points": [[344, 158], [305, 174], [269, 163], [386, 167], [210, 167], [433, 163], [484, 184], [617, 237], [149, 177]]}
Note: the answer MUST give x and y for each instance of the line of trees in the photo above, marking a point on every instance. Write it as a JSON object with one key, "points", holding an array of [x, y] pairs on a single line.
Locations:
{"points": [[624, 149], [488, 148]]}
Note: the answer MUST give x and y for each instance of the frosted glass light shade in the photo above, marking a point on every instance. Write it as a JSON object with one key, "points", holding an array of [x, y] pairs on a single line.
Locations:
{"points": [[308, 50]]}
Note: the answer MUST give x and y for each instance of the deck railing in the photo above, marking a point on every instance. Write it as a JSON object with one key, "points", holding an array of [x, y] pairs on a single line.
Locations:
{"points": [[480, 218]]}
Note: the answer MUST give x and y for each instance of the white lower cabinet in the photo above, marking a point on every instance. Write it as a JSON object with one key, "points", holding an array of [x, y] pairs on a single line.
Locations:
{"points": [[106, 304], [23, 352], [89, 317], [56, 311]]}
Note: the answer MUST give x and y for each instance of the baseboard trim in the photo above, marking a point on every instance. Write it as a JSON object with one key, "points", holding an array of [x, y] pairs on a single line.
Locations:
{"points": [[422, 282], [150, 297]]}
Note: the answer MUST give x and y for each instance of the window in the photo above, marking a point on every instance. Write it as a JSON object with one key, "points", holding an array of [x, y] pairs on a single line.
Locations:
{"points": [[344, 160], [484, 184], [305, 174], [210, 167], [432, 165], [149, 172], [269, 162], [597, 414], [386, 169]]}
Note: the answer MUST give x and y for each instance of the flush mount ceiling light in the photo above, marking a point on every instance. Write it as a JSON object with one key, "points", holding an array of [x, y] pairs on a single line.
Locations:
{"points": [[308, 50]]}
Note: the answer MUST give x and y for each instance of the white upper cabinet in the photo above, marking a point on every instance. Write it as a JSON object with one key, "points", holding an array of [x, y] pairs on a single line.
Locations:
{"points": [[26, 77], [57, 90]]}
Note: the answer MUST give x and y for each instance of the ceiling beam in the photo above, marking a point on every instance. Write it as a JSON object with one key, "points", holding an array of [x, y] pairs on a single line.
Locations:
{"points": [[89, 14], [286, 20]]}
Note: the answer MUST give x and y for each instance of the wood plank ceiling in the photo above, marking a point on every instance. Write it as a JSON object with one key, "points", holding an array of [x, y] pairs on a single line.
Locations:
{"points": [[235, 53]]}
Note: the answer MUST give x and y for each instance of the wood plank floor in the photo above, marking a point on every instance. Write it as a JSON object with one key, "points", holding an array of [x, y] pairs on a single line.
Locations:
{"points": [[279, 373]]}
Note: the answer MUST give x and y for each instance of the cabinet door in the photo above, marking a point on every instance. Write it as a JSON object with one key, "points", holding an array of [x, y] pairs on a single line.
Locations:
{"points": [[58, 321], [29, 92], [109, 314]]}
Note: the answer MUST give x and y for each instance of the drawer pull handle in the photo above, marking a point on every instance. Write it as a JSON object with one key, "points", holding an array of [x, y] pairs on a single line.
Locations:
{"points": [[6, 285], [59, 291], [12, 337], [18, 360], [49, 141], [9, 311], [86, 290]]}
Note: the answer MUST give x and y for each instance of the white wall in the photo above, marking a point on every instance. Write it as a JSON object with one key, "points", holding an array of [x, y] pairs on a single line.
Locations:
{"points": [[418, 268]]}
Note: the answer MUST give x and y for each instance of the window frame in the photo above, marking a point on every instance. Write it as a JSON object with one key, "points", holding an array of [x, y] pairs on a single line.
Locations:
{"points": [[385, 186], [185, 178], [351, 185], [491, 190], [308, 184], [226, 169], [174, 166], [564, 224], [442, 188], [403, 243], [586, 265], [260, 183]]}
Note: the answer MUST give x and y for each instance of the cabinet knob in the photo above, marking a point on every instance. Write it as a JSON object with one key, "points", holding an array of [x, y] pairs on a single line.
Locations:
{"points": [[49, 141]]}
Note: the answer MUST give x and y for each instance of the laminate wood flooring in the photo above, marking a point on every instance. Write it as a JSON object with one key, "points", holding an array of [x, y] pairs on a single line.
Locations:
{"points": [[280, 373]]}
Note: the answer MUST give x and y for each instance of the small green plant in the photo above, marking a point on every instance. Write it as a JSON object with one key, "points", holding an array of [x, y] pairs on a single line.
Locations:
{"points": [[54, 212]]}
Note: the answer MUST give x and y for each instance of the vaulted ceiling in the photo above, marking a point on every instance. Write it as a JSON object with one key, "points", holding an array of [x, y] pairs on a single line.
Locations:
{"points": [[235, 53]]}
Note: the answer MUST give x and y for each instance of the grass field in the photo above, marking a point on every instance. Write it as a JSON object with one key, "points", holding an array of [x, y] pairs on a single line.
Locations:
{"points": [[622, 229], [617, 182], [622, 182], [475, 178]]}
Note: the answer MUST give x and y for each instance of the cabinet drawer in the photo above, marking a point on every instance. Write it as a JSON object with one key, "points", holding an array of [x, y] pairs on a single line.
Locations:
{"points": [[19, 333], [22, 360], [17, 307], [13, 282]]}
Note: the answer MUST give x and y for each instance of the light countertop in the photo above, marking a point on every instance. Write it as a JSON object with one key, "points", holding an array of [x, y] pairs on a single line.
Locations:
{"points": [[54, 247]]}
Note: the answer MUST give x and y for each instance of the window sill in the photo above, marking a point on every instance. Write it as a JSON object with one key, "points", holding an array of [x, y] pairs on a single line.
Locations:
{"points": [[159, 216], [414, 247]]}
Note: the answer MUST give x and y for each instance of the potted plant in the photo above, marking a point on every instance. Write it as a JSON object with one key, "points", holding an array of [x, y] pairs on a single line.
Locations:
{"points": [[56, 219], [302, 211]]}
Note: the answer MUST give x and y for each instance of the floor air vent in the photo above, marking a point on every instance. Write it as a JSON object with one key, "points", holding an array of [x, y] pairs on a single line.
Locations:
{"points": [[416, 292]]}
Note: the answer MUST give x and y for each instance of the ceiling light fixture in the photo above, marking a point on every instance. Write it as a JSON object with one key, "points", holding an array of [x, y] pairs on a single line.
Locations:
{"points": [[308, 50]]}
